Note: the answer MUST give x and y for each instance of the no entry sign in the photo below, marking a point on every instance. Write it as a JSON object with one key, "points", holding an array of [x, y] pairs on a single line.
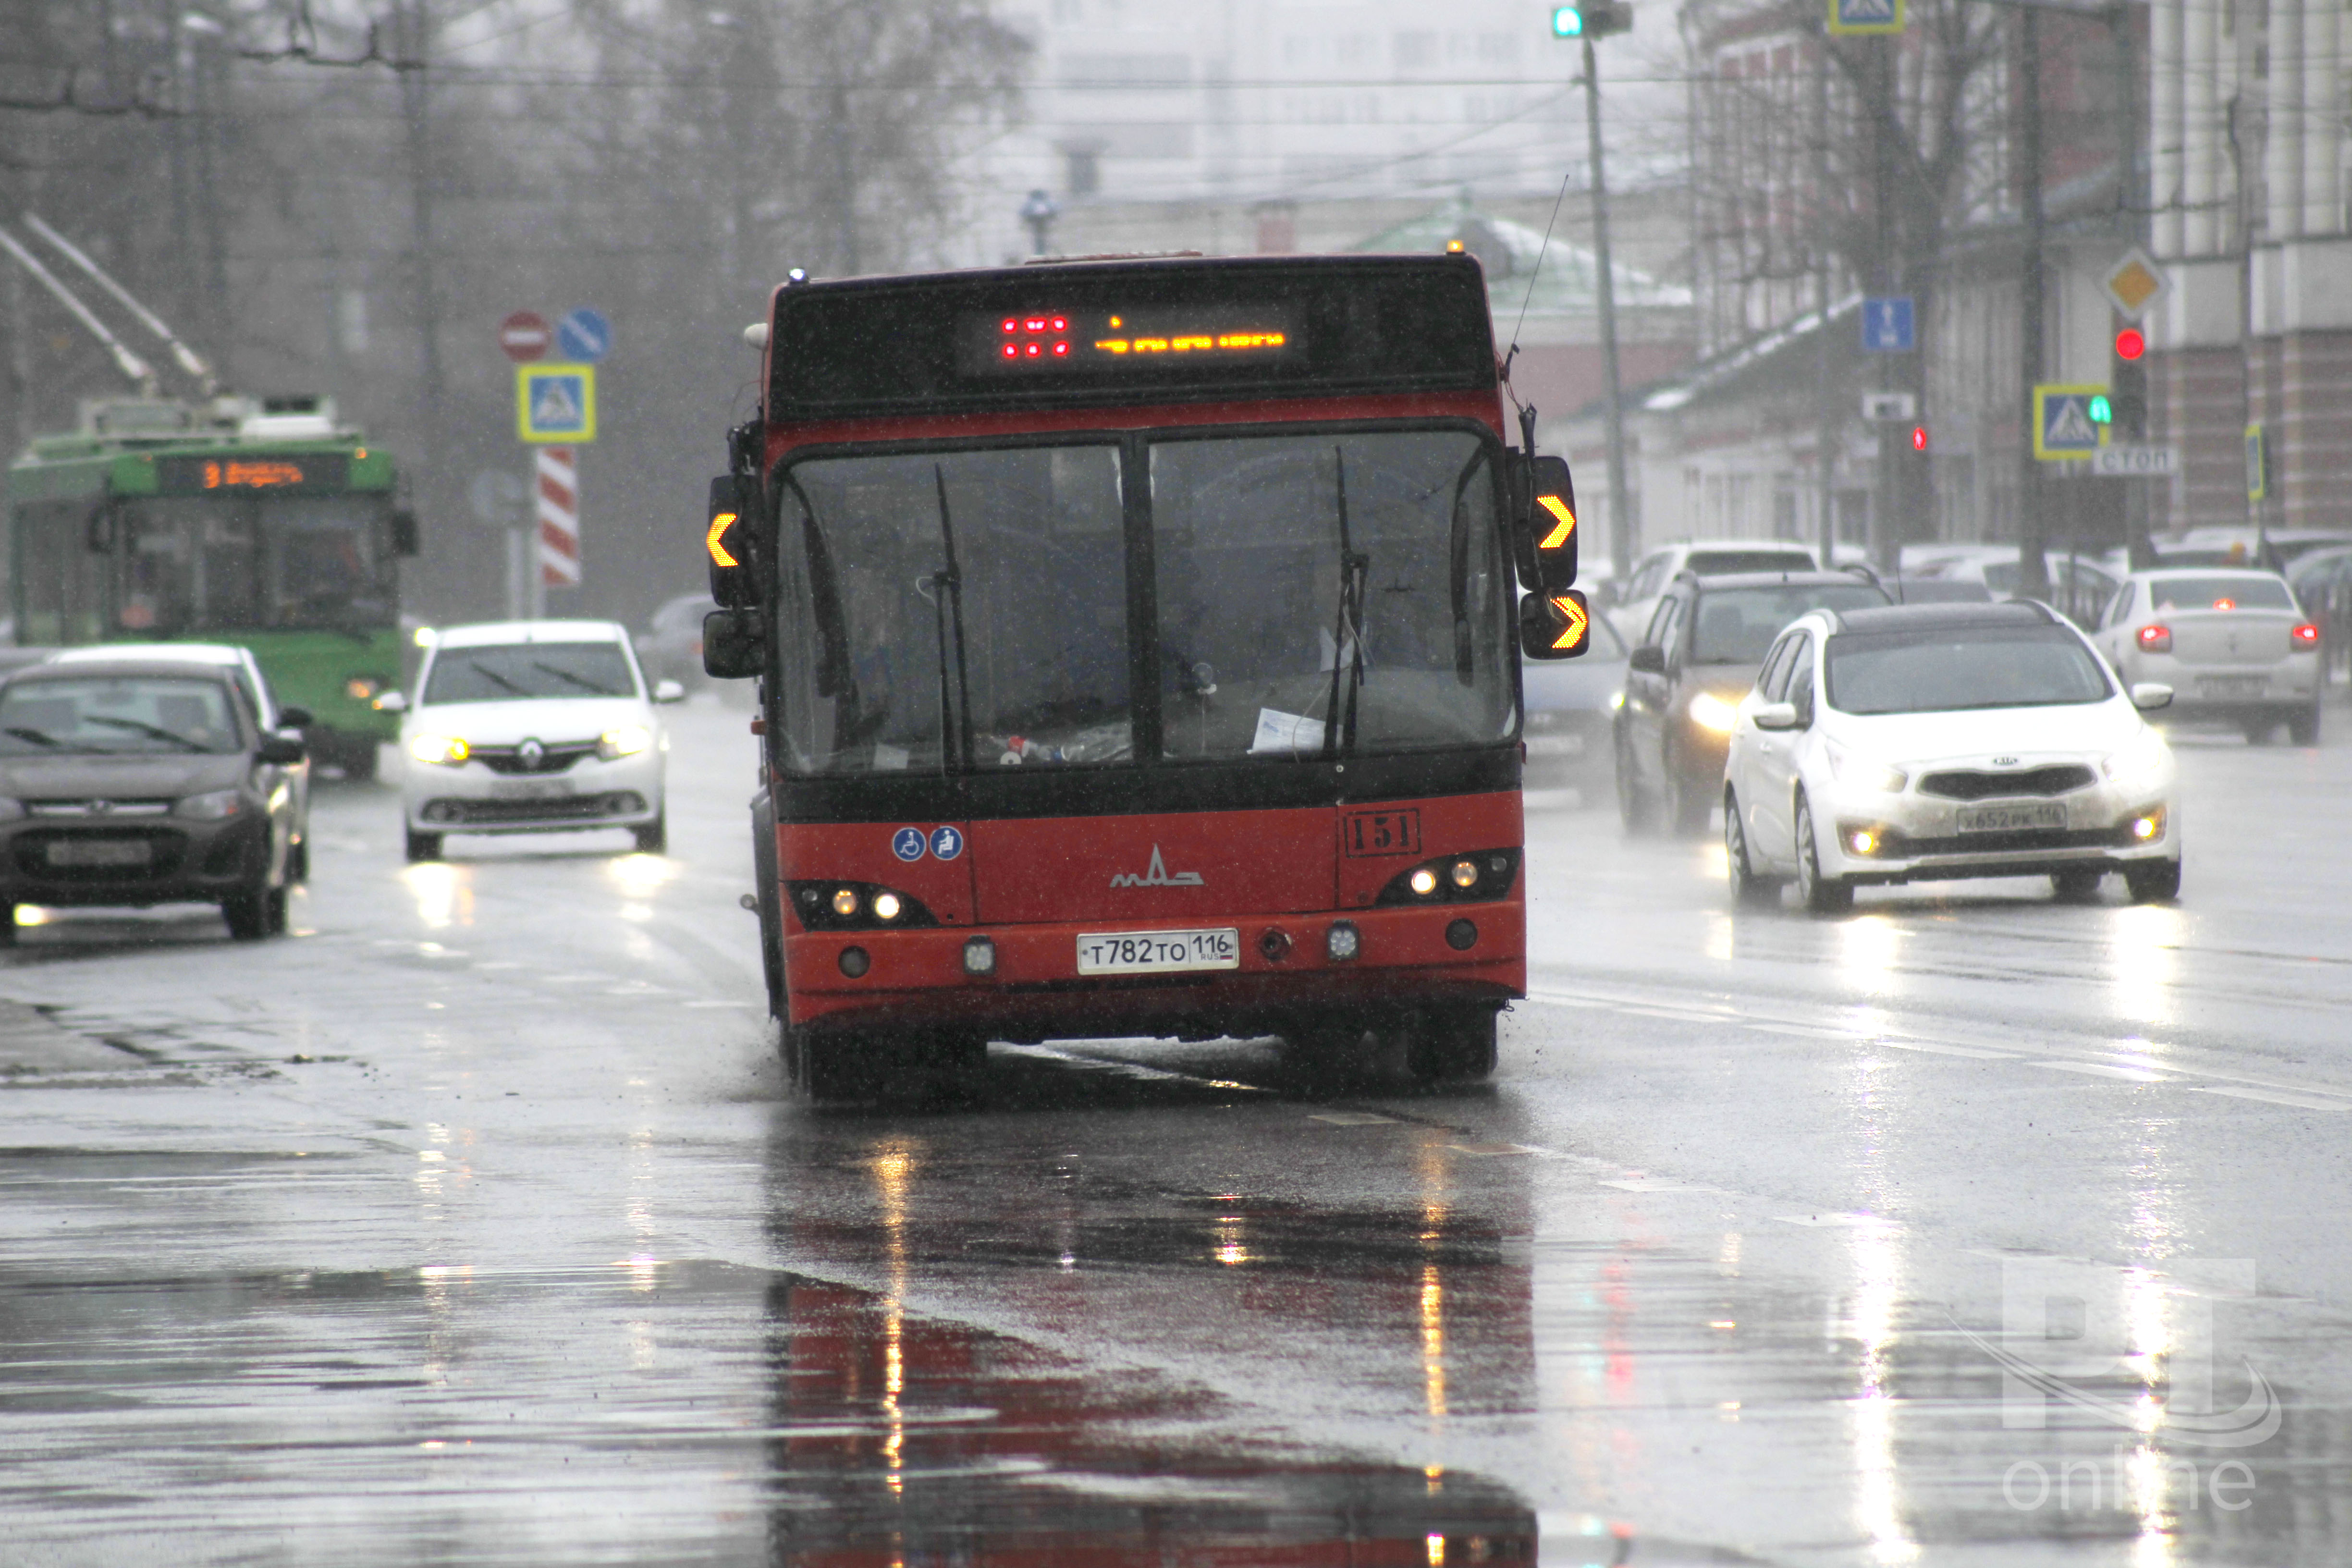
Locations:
{"points": [[523, 336]]}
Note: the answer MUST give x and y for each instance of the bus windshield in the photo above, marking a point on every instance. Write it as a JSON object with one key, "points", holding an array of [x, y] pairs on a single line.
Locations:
{"points": [[977, 608], [204, 563]]}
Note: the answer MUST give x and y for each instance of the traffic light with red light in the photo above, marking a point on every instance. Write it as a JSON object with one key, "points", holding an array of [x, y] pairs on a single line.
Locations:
{"points": [[2130, 345], [1919, 438]]}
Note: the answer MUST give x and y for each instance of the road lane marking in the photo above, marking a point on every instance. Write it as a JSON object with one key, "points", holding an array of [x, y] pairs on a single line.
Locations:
{"points": [[2273, 1097], [2100, 1070], [1662, 1184], [1937, 1047], [1485, 1151], [1839, 1221], [1351, 1119]]}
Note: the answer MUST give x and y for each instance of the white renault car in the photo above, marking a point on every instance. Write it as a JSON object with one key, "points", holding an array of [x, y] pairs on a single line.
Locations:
{"points": [[532, 727], [2236, 646], [1920, 742]]}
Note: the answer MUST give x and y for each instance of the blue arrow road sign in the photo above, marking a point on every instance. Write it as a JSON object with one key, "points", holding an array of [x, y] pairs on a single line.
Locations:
{"points": [[1887, 325], [584, 335]]}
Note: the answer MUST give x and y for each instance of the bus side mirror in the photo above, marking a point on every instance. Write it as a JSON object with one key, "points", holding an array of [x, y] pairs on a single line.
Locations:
{"points": [[404, 534], [1543, 524], [726, 541], [734, 645], [1555, 626]]}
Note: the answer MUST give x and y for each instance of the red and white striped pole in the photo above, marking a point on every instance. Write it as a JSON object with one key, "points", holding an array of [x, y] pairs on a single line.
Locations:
{"points": [[559, 518]]}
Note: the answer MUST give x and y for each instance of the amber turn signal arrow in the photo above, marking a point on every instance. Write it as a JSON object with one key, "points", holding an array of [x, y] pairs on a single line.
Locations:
{"points": [[719, 527], [1566, 526], [1574, 622]]}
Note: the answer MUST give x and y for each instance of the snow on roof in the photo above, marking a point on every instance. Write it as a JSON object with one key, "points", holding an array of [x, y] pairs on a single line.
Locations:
{"points": [[1709, 375], [1564, 285]]}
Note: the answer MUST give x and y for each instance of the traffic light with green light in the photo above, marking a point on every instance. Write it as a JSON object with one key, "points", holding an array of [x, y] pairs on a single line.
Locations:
{"points": [[1592, 19]]}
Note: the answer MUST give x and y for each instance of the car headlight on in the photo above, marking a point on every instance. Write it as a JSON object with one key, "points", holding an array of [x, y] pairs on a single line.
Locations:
{"points": [[212, 807], [1863, 773], [2142, 765], [444, 750], [1709, 711], [626, 741]]}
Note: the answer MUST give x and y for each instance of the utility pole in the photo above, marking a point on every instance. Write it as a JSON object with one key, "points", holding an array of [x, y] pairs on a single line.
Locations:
{"points": [[2032, 571], [413, 107], [1826, 439], [1622, 518]]}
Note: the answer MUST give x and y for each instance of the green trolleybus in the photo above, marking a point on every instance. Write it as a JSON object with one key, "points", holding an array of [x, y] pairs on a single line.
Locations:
{"points": [[264, 524]]}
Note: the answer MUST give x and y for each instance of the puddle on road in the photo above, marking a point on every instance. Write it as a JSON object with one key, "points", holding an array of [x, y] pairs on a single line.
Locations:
{"points": [[646, 1411]]}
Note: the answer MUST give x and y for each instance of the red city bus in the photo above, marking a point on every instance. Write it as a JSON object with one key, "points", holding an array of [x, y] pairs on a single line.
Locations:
{"points": [[1139, 656]]}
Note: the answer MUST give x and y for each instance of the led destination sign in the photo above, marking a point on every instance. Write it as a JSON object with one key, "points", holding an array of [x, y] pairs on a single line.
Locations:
{"points": [[1114, 333], [1047, 340], [308, 471]]}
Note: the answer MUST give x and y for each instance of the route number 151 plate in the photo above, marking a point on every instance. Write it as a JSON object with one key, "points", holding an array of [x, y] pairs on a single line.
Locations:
{"points": [[1159, 951]]}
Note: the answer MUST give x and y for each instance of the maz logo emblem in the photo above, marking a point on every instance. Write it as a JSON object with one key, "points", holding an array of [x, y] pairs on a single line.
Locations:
{"points": [[1157, 876], [2004, 762]]}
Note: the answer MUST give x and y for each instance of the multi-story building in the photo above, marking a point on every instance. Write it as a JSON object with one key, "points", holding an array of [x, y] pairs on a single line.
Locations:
{"points": [[2213, 135], [2248, 169]]}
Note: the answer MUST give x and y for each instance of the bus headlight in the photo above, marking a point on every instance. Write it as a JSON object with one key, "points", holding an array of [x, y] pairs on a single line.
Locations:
{"points": [[626, 741], [441, 751]]}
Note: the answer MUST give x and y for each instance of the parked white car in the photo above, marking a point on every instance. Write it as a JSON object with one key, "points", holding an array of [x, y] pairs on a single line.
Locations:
{"points": [[1921, 742], [532, 727], [1708, 558], [2235, 646], [2079, 587]]}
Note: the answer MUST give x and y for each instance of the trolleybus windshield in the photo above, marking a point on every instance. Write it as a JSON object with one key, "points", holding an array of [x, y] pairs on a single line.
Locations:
{"points": [[1273, 594], [186, 564]]}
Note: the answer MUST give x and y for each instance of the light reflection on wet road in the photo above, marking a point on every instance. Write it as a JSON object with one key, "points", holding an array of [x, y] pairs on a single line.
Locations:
{"points": [[472, 1224]]}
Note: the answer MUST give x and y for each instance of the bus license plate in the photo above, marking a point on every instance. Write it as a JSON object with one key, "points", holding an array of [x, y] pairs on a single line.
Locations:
{"points": [[100, 852], [2011, 818], [1159, 951]]}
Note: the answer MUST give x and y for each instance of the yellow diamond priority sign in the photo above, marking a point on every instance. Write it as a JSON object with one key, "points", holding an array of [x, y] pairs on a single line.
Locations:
{"points": [[2135, 283]]}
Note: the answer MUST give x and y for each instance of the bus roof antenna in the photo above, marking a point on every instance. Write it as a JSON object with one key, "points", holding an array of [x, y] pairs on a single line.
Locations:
{"points": [[189, 360], [130, 363]]}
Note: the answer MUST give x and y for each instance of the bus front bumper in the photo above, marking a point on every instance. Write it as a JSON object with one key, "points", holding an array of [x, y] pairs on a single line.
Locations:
{"points": [[920, 978]]}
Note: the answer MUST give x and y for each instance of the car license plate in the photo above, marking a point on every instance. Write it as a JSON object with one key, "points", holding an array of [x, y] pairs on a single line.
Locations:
{"points": [[100, 852], [2011, 818], [530, 789], [2232, 685], [1159, 951]]}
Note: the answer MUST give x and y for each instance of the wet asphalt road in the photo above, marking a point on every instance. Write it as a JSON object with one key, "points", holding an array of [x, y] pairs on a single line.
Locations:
{"points": [[471, 1224]]}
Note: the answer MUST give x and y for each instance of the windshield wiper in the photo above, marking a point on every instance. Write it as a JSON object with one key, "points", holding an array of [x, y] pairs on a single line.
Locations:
{"points": [[948, 587], [1348, 638], [35, 736], [154, 731], [486, 673], [1465, 652], [579, 680]]}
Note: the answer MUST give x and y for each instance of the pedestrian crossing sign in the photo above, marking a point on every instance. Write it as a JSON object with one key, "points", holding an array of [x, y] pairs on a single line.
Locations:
{"points": [[1851, 17], [555, 405], [2064, 429]]}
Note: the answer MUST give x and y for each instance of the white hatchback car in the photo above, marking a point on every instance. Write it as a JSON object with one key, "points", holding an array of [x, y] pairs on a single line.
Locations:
{"points": [[2236, 647], [532, 727], [1921, 742]]}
